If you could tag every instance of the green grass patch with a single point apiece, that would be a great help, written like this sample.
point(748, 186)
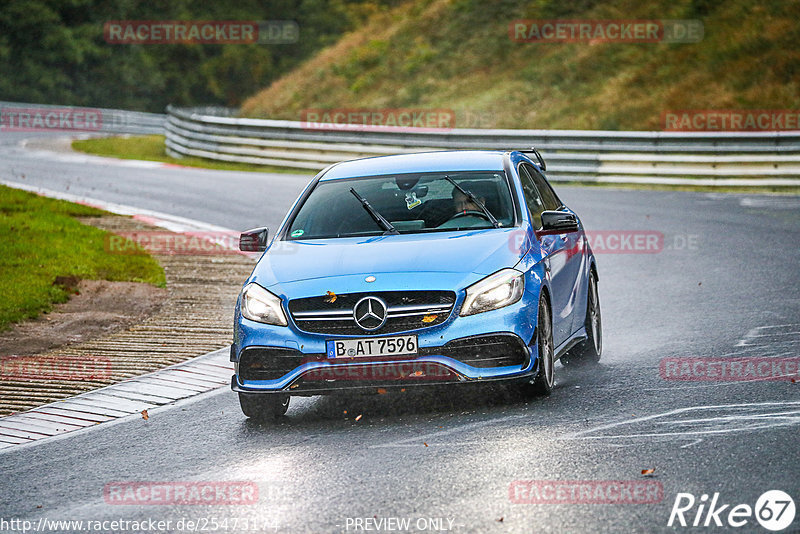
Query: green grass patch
point(151, 148)
point(41, 241)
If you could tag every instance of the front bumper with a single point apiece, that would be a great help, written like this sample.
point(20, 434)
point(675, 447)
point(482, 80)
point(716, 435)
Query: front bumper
point(494, 345)
point(487, 357)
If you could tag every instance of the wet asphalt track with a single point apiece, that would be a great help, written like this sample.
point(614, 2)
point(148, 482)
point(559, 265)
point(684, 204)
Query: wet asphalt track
point(726, 284)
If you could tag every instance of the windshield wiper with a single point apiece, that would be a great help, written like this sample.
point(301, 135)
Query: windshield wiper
point(475, 201)
point(377, 217)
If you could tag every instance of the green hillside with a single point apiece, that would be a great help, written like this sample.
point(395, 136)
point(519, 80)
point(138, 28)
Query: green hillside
point(458, 55)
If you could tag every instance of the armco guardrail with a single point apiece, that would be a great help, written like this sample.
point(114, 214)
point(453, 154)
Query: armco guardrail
point(113, 121)
point(730, 158)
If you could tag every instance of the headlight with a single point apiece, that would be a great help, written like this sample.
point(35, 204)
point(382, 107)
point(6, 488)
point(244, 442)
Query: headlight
point(260, 305)
point(495, 291)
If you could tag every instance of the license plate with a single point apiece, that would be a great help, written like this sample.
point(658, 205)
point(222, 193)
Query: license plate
point(377, 346)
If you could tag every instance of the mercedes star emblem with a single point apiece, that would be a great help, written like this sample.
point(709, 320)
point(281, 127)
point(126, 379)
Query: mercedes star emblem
point(370, 313)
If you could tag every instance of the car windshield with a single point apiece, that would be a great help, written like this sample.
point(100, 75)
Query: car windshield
point(411, 203)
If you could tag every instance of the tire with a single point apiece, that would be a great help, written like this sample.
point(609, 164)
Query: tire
point(589, 350)
point(263, 406)
point(545, 379)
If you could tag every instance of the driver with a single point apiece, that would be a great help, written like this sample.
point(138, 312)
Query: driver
point(466, 212)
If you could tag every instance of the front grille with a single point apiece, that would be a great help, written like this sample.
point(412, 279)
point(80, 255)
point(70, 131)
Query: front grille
point(484, 351)
point(268, 363)
point(406, 310)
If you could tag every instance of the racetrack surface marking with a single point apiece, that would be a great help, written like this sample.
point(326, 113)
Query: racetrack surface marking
point(746, 417)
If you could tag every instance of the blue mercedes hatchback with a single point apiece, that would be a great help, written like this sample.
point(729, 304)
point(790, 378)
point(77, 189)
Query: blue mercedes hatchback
point(416, 270)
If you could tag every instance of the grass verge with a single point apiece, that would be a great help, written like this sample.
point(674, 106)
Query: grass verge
point(151, 148)
point(45, 251)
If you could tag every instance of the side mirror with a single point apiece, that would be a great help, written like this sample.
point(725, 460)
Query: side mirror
point(254, 240)
point(558, 222)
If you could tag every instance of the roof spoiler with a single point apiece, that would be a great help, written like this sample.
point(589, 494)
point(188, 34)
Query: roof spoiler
point(532, 150)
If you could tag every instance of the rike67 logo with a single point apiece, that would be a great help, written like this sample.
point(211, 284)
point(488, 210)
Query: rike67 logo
point(774, 510)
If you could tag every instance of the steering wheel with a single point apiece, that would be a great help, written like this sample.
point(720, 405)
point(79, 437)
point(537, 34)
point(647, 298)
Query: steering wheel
point(469, 213)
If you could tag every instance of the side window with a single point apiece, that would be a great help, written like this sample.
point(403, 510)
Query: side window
point(532, 198)
point(550, 199)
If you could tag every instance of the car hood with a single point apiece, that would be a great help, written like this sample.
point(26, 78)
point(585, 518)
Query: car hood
point(446, 260)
